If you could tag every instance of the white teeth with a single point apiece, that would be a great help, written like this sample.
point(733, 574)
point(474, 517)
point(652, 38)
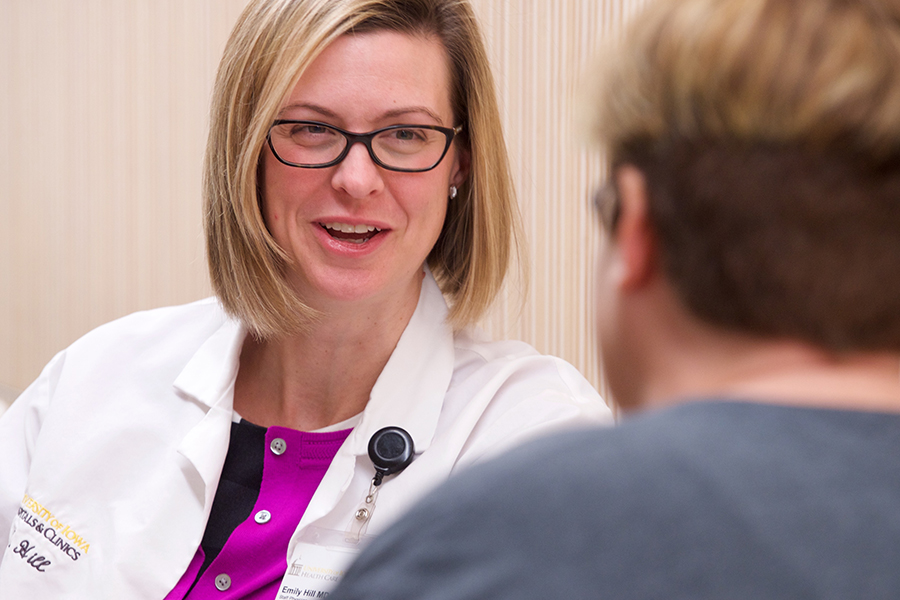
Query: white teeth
point(347, 228)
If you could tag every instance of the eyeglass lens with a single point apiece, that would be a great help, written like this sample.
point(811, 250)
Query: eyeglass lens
point(606, 203)
point(310, 144)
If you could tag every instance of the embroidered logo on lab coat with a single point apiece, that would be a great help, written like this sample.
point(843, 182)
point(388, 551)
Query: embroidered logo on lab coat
point(45, 524)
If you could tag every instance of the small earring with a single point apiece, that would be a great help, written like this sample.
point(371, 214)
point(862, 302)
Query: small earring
point(452, 192)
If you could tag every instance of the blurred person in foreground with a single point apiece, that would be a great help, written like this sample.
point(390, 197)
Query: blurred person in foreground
point(360, 220)
point(748, 301)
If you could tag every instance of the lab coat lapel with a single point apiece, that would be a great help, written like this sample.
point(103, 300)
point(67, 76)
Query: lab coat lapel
point(208, 378)
point(409, 393)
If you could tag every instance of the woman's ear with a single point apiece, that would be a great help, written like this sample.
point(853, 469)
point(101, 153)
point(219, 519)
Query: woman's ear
point(462, 162)
point(635, 236)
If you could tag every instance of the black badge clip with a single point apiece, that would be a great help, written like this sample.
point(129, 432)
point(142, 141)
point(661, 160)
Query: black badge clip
point(391, 450)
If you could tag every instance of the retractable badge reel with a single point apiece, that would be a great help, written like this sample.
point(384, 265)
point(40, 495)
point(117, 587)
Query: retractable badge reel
point(391, 449)
point(322, 555)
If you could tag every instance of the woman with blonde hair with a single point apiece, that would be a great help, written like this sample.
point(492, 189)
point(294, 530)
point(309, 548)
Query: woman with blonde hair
point(360, 218)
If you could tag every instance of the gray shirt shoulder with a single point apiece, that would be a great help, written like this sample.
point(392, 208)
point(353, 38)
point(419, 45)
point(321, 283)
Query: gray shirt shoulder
point(706, 500)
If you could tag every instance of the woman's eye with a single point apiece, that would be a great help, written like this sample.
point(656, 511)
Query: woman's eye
point(310, 130)
point(410, 135)
point(305, 134)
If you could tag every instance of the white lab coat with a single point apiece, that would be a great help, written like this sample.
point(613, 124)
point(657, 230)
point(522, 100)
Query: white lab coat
point(109, 461)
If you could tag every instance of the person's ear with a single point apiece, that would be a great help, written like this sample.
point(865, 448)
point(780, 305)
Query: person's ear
point(462, 163)
point(635, 237)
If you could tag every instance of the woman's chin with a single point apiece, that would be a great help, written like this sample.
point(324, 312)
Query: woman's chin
point(357, 292)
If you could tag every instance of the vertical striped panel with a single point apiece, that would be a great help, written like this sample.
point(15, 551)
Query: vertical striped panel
point(103, 114)
point(540, 51)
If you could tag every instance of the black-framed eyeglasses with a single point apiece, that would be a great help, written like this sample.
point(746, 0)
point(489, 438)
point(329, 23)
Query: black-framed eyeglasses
point(606, 203)
point(315, 145)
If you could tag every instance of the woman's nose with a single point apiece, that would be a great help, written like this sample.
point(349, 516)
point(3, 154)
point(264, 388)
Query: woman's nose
point(357, 174)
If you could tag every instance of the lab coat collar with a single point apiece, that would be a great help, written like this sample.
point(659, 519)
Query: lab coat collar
point(208, 378)
point(209, 375)
point(410, 391)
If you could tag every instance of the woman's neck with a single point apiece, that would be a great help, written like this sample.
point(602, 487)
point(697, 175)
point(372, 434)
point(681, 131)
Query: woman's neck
point(323, 376)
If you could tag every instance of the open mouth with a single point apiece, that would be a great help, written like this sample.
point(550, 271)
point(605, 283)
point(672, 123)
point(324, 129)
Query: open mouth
point(355, 234)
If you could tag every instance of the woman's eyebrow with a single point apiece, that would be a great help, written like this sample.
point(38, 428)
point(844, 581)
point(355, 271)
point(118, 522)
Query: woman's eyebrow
point(396, 112)
point(313, 107)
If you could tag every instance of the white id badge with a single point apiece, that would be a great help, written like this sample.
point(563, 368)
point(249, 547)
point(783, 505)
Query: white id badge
point(321, 558)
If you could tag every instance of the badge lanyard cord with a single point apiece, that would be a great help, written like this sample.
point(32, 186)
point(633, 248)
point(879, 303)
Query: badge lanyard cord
point(391, 450)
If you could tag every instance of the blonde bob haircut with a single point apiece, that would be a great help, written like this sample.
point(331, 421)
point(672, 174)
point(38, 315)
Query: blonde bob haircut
point(269, 48)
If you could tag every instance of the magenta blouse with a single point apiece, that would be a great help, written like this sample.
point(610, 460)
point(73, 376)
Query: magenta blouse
point(244, 549)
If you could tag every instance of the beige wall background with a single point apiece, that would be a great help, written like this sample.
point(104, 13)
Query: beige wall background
point(103, 117)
